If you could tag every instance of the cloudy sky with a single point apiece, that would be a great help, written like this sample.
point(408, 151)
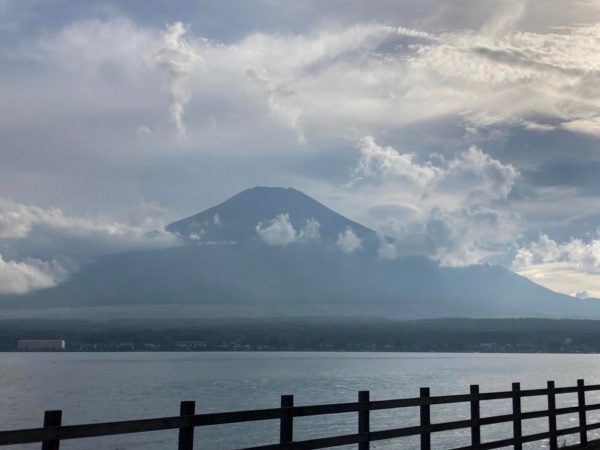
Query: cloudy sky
point(467, 130)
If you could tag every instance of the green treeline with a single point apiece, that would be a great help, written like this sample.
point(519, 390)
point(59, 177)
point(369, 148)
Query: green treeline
point(442, 335)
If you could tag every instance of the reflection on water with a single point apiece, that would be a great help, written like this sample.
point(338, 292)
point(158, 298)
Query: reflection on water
point(92, 387)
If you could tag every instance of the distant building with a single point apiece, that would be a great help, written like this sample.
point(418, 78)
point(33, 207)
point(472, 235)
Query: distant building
point(191, 345)
point(125, 346)
point(40, 344)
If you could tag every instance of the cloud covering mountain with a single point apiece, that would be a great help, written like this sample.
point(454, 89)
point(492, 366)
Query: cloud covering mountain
point(465, 130)
point(57, 244)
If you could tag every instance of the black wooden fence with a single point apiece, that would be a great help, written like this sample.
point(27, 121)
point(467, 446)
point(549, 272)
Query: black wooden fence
point(53, 432)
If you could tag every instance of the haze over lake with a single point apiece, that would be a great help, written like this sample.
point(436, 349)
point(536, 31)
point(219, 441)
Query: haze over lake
point(97, 387)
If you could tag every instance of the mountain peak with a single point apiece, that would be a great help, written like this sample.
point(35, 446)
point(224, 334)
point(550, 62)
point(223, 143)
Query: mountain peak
point(270, 188)
point(267, 193)
point(236, 219)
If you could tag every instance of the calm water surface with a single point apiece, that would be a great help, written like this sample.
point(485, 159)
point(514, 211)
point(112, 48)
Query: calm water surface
point(92, 387)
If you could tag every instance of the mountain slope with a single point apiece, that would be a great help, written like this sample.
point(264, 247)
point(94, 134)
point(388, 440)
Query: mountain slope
point(225, 268)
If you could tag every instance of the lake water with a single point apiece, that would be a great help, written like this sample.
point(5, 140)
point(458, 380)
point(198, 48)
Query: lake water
point(92, 387)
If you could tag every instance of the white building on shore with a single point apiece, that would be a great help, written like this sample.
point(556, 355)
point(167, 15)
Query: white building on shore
point(41, 344)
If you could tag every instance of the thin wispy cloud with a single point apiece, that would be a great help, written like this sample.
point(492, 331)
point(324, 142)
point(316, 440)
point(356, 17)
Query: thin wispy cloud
point(179, 60)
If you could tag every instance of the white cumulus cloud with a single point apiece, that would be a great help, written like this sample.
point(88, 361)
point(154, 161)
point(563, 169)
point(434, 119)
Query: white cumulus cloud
point(384, 163)
point(449, 208)
point(571, 267)
point(581, 255)
point(470, 173)
point(348, 241)
point(387, 250)
point(21, 277)
point(280, 231)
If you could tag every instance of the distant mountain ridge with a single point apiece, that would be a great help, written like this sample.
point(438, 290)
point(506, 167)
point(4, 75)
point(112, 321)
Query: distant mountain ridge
point(226, 269)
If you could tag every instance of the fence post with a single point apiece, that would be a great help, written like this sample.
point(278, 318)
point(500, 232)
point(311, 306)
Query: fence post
point(425, 419)
point(475, 428)
point(552, 416)
point(363, 419)
point(516, 404)
point(52, 419)
point(186, 434)
point(286, 426)
point(582, 413)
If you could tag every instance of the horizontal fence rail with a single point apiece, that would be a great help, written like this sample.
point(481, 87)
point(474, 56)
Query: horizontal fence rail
point(53, 432)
